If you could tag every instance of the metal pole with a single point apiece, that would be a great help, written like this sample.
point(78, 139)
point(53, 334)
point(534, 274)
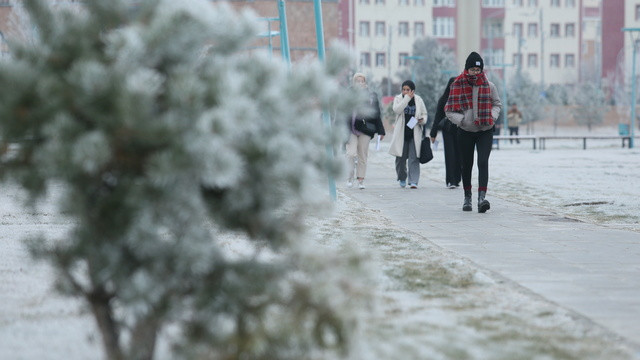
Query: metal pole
point(541, 54)
point(284, 35)
point(504, 101)
point(632, 122)
point(633, 96)
point(317, 7)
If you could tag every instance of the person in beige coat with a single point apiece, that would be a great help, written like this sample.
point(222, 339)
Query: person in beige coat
point(406, 139)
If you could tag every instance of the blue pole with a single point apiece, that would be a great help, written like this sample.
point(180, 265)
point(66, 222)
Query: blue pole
point(317, 8)
point(284, 35)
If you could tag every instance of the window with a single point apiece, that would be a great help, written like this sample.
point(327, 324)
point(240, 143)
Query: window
point(555, 3)
point(403, 28)
point(381, 59)
point(379, 2)
point(418, 29)
point(448, 3)
point(418, 2)
point(533, 3)
point(570, 3)
point(532, 60)
point(569, 30)
point(518, 3)
point(493, 3)
point(444, 27)
point(637, 12)
point(403, 2)
point(364, 2)
point(492, 28)
point(365, 59)
point(495, 56)
point(532, 30)
point(381, 28)
point(364, 28)
point(554, 60)
point(402, 59)
point(517, 60)
point(569, 60)
point(517, 30)
point(555, 30)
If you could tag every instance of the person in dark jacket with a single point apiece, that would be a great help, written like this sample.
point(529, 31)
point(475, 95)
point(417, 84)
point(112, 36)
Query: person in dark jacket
point(450, 140)
point(357, 147)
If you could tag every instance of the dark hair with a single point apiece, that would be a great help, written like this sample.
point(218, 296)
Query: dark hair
point(410, 84)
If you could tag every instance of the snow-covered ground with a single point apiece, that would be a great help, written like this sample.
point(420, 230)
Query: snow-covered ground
point(460, 312)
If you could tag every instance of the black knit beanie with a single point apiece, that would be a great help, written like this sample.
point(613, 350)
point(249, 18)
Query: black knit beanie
point(410, 84)
point(474, 59)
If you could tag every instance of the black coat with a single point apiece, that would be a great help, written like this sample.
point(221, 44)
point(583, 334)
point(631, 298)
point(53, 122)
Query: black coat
point(440, 122)
point(374, 116)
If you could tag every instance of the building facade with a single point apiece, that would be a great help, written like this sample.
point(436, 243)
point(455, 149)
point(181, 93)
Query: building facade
point(552, 41)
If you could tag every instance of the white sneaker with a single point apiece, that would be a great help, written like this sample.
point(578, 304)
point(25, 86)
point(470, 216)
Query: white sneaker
point(361, 184)
point(413, 186)
point(349, 183)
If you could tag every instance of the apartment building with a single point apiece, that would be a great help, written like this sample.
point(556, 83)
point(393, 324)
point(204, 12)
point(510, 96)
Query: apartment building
point(383, 32)
point(553, 41)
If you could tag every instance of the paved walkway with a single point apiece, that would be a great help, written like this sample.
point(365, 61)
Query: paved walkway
point(592, 270)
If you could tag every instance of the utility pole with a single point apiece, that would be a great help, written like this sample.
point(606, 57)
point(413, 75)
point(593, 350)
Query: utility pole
point(389, 64)
point(541, 55)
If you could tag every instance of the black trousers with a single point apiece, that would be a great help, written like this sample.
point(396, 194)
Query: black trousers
point(481, 142)
point(452, 157)
point(513, 130)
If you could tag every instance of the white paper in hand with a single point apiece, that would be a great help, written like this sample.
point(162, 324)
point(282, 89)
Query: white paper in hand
point(412, 122)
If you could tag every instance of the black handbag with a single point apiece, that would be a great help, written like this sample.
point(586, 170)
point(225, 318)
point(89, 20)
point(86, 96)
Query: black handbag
point(366, 127)
point(426, 154)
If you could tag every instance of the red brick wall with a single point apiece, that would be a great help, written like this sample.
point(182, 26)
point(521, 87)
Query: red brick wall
point(300, 20)
point(300, 24)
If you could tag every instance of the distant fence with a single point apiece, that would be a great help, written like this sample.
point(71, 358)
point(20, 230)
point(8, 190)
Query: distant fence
point(542, 139)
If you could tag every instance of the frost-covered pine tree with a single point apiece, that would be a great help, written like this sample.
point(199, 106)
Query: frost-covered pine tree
point(431, 72)
point(174, 144)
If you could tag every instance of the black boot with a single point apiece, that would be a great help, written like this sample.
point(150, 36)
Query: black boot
point(483, 205)
point(467, 201)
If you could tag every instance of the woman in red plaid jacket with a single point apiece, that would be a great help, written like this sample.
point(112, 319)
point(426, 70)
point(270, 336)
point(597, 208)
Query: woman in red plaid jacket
point(474, 105)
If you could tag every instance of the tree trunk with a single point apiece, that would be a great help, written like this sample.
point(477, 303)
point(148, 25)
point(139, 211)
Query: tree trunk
point(143, 338)
point(99, 301)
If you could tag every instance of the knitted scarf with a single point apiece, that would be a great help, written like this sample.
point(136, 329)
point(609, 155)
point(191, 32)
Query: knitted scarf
point(460, 97)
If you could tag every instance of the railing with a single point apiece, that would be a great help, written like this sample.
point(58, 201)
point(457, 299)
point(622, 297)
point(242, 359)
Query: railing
point(623, 138)
point(542, 139)
point(497, 139)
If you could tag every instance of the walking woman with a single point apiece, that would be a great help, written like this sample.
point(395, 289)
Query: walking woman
point(357, 147)
point(474, 106)
point(450, 140)
point(411, 116)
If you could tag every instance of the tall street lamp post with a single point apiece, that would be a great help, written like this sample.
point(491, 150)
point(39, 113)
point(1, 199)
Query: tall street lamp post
point(633, 85)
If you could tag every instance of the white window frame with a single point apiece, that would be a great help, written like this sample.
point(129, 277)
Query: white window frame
point(381, 59)
point(554, 60)
point(567, 63)
point(444, 27)
point(380, 28)
point(418, 25)
point(403, 29)
point(365, 59)
point(364, 29)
